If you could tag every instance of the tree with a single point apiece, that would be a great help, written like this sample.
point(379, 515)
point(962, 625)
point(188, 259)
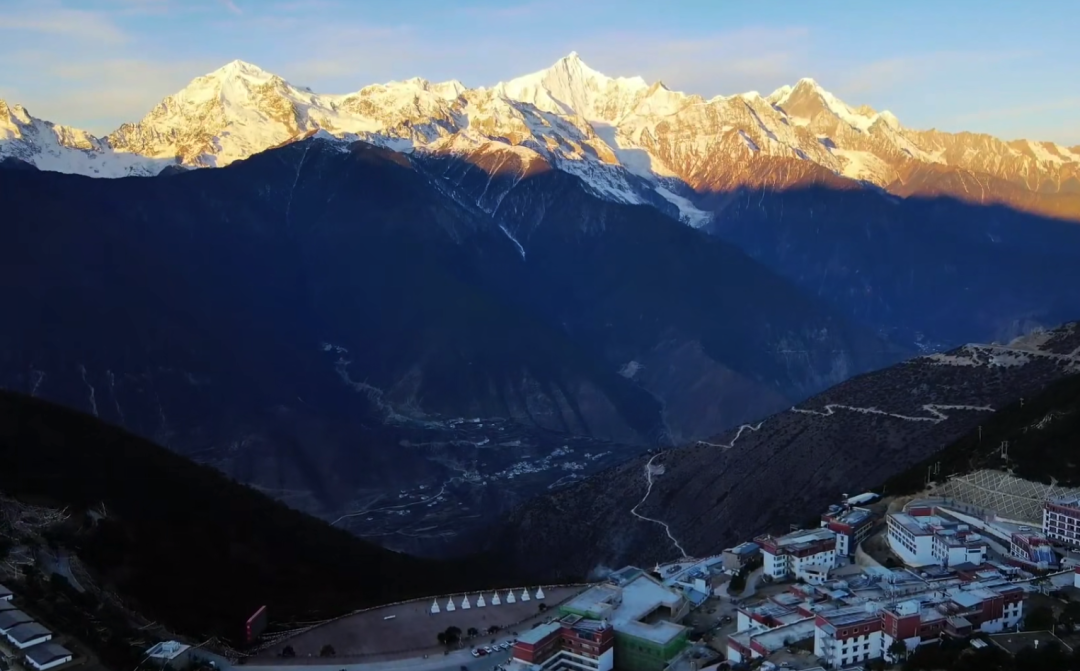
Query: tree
point(1040, 618)
point(327, 651)
point(288, 651)
point(897, 650)
point(473, 632)
point(1070, 617)
point(449, 636)
point(542, 606)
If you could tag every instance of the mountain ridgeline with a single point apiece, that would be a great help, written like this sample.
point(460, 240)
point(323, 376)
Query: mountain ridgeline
point(291, 317)
point(770, 474)
point(873, 217)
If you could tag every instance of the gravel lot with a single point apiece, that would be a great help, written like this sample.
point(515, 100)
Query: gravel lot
point(411, 629)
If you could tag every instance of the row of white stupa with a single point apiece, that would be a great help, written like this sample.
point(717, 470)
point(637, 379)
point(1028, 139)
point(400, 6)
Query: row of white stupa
point(480, 603)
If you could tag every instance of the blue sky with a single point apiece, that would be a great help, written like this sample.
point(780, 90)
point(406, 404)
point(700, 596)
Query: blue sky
point(1007, 68)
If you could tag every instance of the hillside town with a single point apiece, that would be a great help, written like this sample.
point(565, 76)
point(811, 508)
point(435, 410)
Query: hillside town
point(816, 599)
point(869, 587)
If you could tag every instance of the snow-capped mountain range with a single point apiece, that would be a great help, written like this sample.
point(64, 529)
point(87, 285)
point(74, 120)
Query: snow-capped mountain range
point(631, 141)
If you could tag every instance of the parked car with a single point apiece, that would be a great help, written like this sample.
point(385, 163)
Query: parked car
point(487, 649)
point(476, 653)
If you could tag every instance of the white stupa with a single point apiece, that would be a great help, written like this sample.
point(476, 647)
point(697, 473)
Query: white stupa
point(465, 603)
point(480, 601)
point(435, 606)
point(510, 597)
point(450, 604)
point(539, 592)
point(495, 598)
point(524, 595)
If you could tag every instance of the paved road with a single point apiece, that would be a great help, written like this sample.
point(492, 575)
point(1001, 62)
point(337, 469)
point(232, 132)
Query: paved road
point(452, 662)
point(751, 583)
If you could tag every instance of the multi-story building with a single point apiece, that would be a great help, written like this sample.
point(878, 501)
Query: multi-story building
point(850, 524)
point(808, 554)
point(865, 631)
point(571, 644)
point(848, 635)
point(740, 555)
point(1061, 520)
point(644, 614)
point(923, 536)
point(1032, 549)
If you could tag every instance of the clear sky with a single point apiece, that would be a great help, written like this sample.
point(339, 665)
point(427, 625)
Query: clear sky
point(1008, 67)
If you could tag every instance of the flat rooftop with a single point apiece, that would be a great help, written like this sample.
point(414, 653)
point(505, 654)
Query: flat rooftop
point(4, 592)
point(1014, 642)
point(749, 547)
point(781, 637)
point(853, 516)
point(844, 617)
point(910, 524)
point(625, 607)
point(537, 634)
point(804, 536)
point(1067, 501)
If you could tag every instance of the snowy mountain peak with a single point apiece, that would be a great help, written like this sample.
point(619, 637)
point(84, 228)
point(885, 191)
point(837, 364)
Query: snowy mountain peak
point(570, 87)
point(447, 90)
point(238, 68)
point(13, 113)
point(630, 140)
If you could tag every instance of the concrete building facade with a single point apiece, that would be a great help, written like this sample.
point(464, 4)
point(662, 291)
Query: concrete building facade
point(572, 643)
point(806, 554)
point(924, 536)
point(1061, 520)
point(851, 525)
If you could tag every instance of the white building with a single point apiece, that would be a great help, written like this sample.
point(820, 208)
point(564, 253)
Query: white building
point(47, 656)
point(921, 536)
point(851, 525)
point(856, 633)
point(848, 635)
point(28, 635)
point(169, 652)
point(1061, 520)
point(807, 554)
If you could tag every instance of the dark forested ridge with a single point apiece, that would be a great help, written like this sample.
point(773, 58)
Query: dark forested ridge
point(1043, 435)
point(189, 547)
point(766, 475)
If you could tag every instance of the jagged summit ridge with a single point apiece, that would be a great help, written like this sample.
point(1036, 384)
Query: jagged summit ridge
point(611, 131)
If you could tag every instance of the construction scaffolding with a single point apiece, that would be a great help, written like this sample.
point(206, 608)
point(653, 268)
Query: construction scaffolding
point(1008, 496)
